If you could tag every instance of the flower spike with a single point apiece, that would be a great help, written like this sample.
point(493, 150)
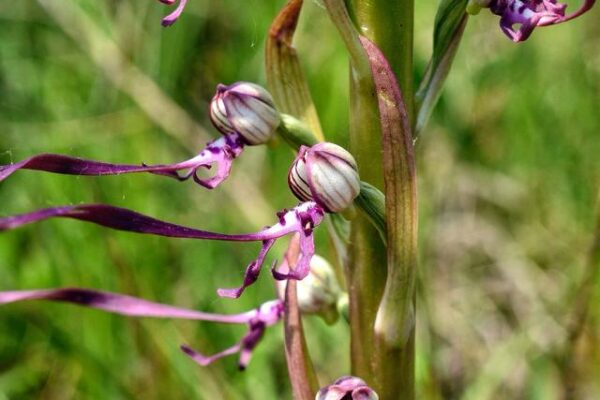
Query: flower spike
point(257, 320)
point(301, 219)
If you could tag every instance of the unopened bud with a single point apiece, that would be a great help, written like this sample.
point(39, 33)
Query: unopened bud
point(319, 292)
point(347, 387)
point(247, 109)
point(327, 174)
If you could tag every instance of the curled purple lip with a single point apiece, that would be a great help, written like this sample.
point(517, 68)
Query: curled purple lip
point(220, 152)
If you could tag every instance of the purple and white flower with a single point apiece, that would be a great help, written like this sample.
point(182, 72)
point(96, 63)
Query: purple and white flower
point(347, 388)
point(243, 112)
point(518, 18)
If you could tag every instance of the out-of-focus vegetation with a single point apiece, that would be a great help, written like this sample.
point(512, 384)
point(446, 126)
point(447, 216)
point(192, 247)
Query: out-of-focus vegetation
point(509, 169)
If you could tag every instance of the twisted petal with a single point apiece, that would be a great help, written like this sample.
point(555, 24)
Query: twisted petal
point(171, 18)
point(220, 152)
point(257, 320)
point(120, 304)
point(302, 219)
point(267, 315)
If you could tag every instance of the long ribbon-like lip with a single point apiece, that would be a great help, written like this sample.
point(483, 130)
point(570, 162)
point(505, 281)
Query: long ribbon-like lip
point(221, 152)
point(257, 320)
point(302, 219)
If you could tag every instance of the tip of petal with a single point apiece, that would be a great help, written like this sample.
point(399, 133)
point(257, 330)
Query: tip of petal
point(230, 293)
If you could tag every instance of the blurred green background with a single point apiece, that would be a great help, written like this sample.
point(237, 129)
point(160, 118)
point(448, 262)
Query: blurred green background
point(508, 168)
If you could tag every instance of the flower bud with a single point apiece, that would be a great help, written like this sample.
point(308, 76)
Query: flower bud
point(327, 174)
point(318, 293)
point(347, 387)
point(247, 109)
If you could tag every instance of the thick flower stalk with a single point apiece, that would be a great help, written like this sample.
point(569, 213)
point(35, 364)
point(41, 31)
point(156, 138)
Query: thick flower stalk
point(518, 18)
point(172, 18)
point(243, 112)
point(347, 388)
point(301, 219)
point(257, 320)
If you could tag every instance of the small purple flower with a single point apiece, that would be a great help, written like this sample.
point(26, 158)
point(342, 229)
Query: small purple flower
point(171, 18)
point(243, 112)
point(347, 388)
point(301, 219)
point(326, 174)
point(518, 18)
point(257, 320)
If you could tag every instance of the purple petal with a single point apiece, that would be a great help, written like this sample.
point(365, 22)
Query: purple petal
point(302, 266)
point(171, 18)
point(251, 274)
point(220, 152)
point(206, 360)
point(266, 315)
point(130, 221)
point(120, 304)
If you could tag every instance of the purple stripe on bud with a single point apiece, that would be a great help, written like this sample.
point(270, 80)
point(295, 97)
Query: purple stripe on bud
point(257, 320)
point(245, 108)
point(221, 152)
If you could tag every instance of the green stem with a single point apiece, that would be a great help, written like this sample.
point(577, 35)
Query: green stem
point(389, 368)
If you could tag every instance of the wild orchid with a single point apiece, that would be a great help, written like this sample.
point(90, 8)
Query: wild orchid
point(372, 224)
point(243, 112)
point(519, 18)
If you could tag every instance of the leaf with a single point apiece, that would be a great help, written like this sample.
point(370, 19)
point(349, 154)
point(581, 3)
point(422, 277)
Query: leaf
point(395, 317)
point(284, 74)
point(450, 22)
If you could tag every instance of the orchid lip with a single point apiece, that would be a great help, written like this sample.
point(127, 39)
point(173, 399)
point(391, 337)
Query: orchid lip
point(220, 152)
point(257, 320)
point(301, 219)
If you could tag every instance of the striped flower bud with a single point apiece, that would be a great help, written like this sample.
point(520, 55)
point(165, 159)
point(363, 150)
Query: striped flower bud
point(247, 109)
point(326, 174)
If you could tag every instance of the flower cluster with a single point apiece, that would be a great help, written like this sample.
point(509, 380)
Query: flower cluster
point(518, 18)
point(324, 177)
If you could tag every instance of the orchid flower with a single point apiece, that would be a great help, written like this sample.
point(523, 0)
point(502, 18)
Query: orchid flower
point(347, 388)
point(301, 219)
point(172, 18)
point(243, 112)
point(518, 18)
point(257, 320)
